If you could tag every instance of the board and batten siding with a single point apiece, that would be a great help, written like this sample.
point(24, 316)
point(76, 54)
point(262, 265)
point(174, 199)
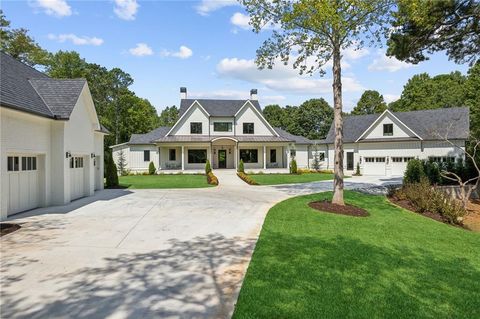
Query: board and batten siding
point(194, 114)
point(248, 115)
point(134, 159)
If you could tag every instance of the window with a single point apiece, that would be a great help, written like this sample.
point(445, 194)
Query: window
point(387, 129)
point(146, 156)
point(397, 159)
point(249, 156)
point(369, 159)
point(442, 159)
point(172, 154)
point(406, 159)
point(72, 165)
point(293, 153)
point(78, 162)
point(273, 156)
point(380, 159)
point(13, 163)
point(197, 156)
point(24, 163)
point(222, 126)
point(29, 163)
point(248, 128)
point(321, 156)
point(196, 128)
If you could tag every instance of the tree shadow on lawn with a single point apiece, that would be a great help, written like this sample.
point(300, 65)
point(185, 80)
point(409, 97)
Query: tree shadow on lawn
point(311, 277)
point(199, 278)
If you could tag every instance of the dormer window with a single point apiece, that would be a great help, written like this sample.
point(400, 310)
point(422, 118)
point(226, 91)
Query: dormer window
point(196, 128)
point(222, 126)
point(387, 129)
point(248, 128)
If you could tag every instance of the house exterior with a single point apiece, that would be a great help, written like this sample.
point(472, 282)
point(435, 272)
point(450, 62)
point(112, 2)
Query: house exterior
point(222, 131)
point(382, 144)
point(51, 140)
point(225, 131)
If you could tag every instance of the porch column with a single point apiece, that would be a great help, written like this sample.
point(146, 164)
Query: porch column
point(264, 157)
point(209, 154)
point(159, 158)
point(288, 157)
point(183, 158)
point(235, 153)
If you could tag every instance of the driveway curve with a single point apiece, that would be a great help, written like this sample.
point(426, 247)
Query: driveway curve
point(141, 253)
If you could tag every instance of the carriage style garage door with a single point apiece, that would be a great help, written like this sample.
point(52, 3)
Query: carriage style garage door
point(23, 183)
point(374, 166)
point(77, 177)
point(399, 165)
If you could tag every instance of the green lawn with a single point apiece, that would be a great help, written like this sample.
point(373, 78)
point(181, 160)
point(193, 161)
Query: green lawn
point(164, 181)
point(392, 264)
point(276, 179)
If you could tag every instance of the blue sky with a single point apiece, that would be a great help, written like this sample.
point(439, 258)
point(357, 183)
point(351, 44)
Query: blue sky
point(205, 45)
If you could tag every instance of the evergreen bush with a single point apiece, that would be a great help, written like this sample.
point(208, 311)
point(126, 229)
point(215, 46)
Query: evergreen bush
point(151, 168)
point(293, 167)
point(241, 168)
point(208, 167)
point(111, 172)
point(414, 172)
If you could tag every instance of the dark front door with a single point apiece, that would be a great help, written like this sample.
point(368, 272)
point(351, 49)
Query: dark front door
point(349, 161)
point(222, 159)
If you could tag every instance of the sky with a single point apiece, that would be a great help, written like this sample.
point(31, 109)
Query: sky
point(206, 46)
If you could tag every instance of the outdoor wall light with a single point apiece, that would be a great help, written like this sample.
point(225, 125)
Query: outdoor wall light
point(68, 154)
point(92, 155)
point(360, 160)
point(229, 151)
point(214, 151)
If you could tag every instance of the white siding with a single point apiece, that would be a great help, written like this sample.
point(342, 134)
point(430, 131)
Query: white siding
point(399, 129)
point(134, 158)
point(194, 114)
point(249, 115)
point(302, 156)
point(222, 119)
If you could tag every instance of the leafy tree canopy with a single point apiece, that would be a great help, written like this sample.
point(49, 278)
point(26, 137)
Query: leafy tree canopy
point(370, 102)
point(169, 116)
point(472, 94)
point(424, 27)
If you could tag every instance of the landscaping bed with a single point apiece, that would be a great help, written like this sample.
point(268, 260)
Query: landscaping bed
point(329, 207)
point(393, 264)
point(7, 228)
point(163, 181)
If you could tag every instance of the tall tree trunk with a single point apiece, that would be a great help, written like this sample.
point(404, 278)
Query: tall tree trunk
point(338, 123)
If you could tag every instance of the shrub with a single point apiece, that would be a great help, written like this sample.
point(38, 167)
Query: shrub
point(208, 167)
point(357, 172)
point(432, 171)
point(293, 167)
point(414, 172)
point(316, 162)
point(211, 178)
point(151, 168)
point(247, 179)
point(111, 173)
point(241, 168)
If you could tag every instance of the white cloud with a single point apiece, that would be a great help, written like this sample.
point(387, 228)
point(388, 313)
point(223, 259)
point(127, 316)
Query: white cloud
point(351, 53)
point(58, 8)
point(183, 52)
point(207, 6)
point(271, 99)
point(83, 40)
point(142, 49)
point(241, 20)
point(390, 97)
point(385, 63)
point(281, 78)
point(126, 9)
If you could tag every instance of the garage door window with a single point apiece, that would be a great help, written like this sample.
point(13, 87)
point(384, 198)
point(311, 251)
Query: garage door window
point(369, 159)
point(76, 162)
point(29, 163)
point(380, 159)
point(406, 159)
point(397, 159)
point(13, 163)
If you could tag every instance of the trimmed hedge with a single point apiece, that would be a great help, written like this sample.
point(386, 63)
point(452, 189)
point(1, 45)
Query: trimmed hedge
point(241, 168)
point(151, 169)
point(293, 167)
point(246, 178)
point(111, 172)
point(208, 167)
point(211, 178)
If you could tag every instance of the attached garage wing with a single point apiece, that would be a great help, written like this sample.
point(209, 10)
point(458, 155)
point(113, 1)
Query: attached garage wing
point(23, 183)
point(374, 166)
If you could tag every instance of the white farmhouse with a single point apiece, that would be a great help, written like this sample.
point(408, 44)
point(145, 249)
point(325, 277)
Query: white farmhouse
point(51, 140)
point(227, 131)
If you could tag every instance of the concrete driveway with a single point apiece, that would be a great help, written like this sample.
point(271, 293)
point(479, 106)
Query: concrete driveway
point(140, 253)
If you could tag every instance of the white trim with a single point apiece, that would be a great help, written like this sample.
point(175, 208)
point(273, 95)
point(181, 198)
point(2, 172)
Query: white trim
point(185, 113)
point(224, 138)
point(382, 116)
point(260, 114)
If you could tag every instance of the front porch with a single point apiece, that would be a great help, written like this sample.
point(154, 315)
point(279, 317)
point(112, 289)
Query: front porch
point(223, 153)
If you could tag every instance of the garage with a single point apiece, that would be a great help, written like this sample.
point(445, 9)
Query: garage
point(77, 177)
point(399, 165)
point(374, 166)
point(23, 183)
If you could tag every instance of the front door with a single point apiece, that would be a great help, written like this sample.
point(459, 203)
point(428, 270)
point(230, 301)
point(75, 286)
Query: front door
point(222, 159)
point(349, 161)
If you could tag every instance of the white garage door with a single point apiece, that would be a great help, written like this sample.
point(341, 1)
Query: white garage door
point(399, 165)
point(23, 183)
point(77, 178)
point(374, 166)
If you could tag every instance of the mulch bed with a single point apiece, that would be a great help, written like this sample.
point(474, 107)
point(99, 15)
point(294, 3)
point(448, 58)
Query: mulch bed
point(405, 203)
point(349, 210)
point(6, 228)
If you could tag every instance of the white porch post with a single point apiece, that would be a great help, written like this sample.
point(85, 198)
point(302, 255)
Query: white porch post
point(264, 157)
point(209, 153)
point(183, 158)
point(235, 153)
point(288, 157)
point(159, 158)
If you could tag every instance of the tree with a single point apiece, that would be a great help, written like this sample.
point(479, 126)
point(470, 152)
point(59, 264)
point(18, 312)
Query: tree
point(18, 44)
point(472, 96)
point(424, 27)
point(316, 31)
point(370, 102)
point(424, 92)
point(111, 171)
point(274, 114)
point(169, 116)
point(122, 162)
point(315, 118)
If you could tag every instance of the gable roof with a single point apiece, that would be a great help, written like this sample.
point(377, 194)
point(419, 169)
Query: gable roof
point(149, 137)
point(426, 123)
point(25, 89)
point(216, 107)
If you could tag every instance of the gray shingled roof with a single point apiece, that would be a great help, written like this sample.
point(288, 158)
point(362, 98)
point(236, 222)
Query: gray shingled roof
point(296, 138)
point(149, 137)
point(26, 89)
point(206, 138)
point(426, 123)
point(216, 107)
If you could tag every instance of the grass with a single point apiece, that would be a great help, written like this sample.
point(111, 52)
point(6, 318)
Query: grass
point(392, 264)
point(164, 181)
point(276, 179)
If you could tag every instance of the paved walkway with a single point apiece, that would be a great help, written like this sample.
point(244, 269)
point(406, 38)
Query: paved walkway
point(140, 253)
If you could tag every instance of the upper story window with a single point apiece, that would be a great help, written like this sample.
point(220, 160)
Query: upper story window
point(248, 128)
point(387, 129)
point(222, 126)
point(146, 156)
point(196, 128)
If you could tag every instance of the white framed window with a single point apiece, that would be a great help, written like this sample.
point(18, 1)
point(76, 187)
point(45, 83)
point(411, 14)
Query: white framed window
point(397, 159)
point(13, 163)
point(379, 159)
point(369, 159)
